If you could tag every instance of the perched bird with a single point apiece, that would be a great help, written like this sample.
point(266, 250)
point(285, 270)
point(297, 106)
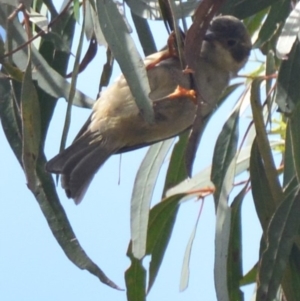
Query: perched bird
point(116, 125)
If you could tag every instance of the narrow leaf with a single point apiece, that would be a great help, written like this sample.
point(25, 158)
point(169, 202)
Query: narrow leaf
point(263, 142)
point(176, 170)
point(45, 193)
point(47, 78)
point(135, 277)
point(222, 236)
point(288, 88)
point(185, 270)
point(161, 222)
point(250, 277)
point(277, 14)
point(31, 127)
point(121, 44)
point(264, 203)
point(144, 33)
point(224, 152)
point(150, 9)
point(234, 261)
point(142, 194)
point(282, 230)
point(289, 33)
point(294, 126)
point(237, 8)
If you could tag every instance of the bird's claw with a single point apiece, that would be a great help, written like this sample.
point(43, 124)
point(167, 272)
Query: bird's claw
point(182, 92)
point(171, 51)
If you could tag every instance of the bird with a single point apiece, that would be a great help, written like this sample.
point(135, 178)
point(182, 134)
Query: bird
point(116, 125)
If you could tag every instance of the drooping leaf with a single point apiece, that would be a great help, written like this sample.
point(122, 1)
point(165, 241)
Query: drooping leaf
point(250, 277)
point(10, 120)
point(144, 34)
point(176, 169)
point(294, 126)
point(31, 127)
point(263, 142)
point(47, 78)
point(121, 44)
point(135, 278)
point(72, 93)
point(150, 9)
point(289, 33)
point(45, 192)
point(185, 270)
point(289, 166)
point(277, 14)
point(288, 88)
point(161, 222)
point(264, 203)
point(142, 194)
point(237, 7)
point(234, 262)
point(291, 279)
point(224, 152)
point(280, 238)
point(92, 26)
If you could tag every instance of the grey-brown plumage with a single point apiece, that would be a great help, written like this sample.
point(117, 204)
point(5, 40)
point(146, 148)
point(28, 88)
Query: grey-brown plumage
point(115, 125)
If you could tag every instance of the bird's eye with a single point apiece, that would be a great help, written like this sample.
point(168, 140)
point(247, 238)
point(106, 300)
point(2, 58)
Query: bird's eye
point(231, 42)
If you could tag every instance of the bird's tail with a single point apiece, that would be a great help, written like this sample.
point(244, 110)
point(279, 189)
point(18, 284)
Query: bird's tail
point(79, 162)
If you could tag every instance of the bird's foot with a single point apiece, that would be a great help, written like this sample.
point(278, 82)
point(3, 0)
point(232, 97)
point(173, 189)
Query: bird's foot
point(171, 51)
point(182, 92)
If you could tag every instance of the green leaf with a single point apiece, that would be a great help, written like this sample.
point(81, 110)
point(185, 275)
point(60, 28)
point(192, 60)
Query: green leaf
point(224, 152)
point(222, 236)
point(149, 9)
point(135, 278)
point(47, 78)
point(72, 93)
point(237, 7)
point(76, 9)
point(161, 222)
point(185, 270)
point(264, 203)
point(289, 32)
point(234, 261)
point(144, 33)
point(294, 126)
point(263, 142)
point(253, 23)
point(277, 15)
point(10, 119)
point(282, 230)
point(31, 127)
point(121, 44)
point(45, 191)
point(92, 27)
point(176, 171)
point(291, 279)
point(250, 277)
point(144, 185)
point(287, 94)
point(289, 166)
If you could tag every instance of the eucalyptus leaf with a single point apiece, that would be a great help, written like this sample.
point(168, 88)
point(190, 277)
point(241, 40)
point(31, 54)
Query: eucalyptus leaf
point(287, 93)
point(142, 194)
point(47, 78)
point(280, 238)
point(150, 9)
point(121, 44)
point(289, 33)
